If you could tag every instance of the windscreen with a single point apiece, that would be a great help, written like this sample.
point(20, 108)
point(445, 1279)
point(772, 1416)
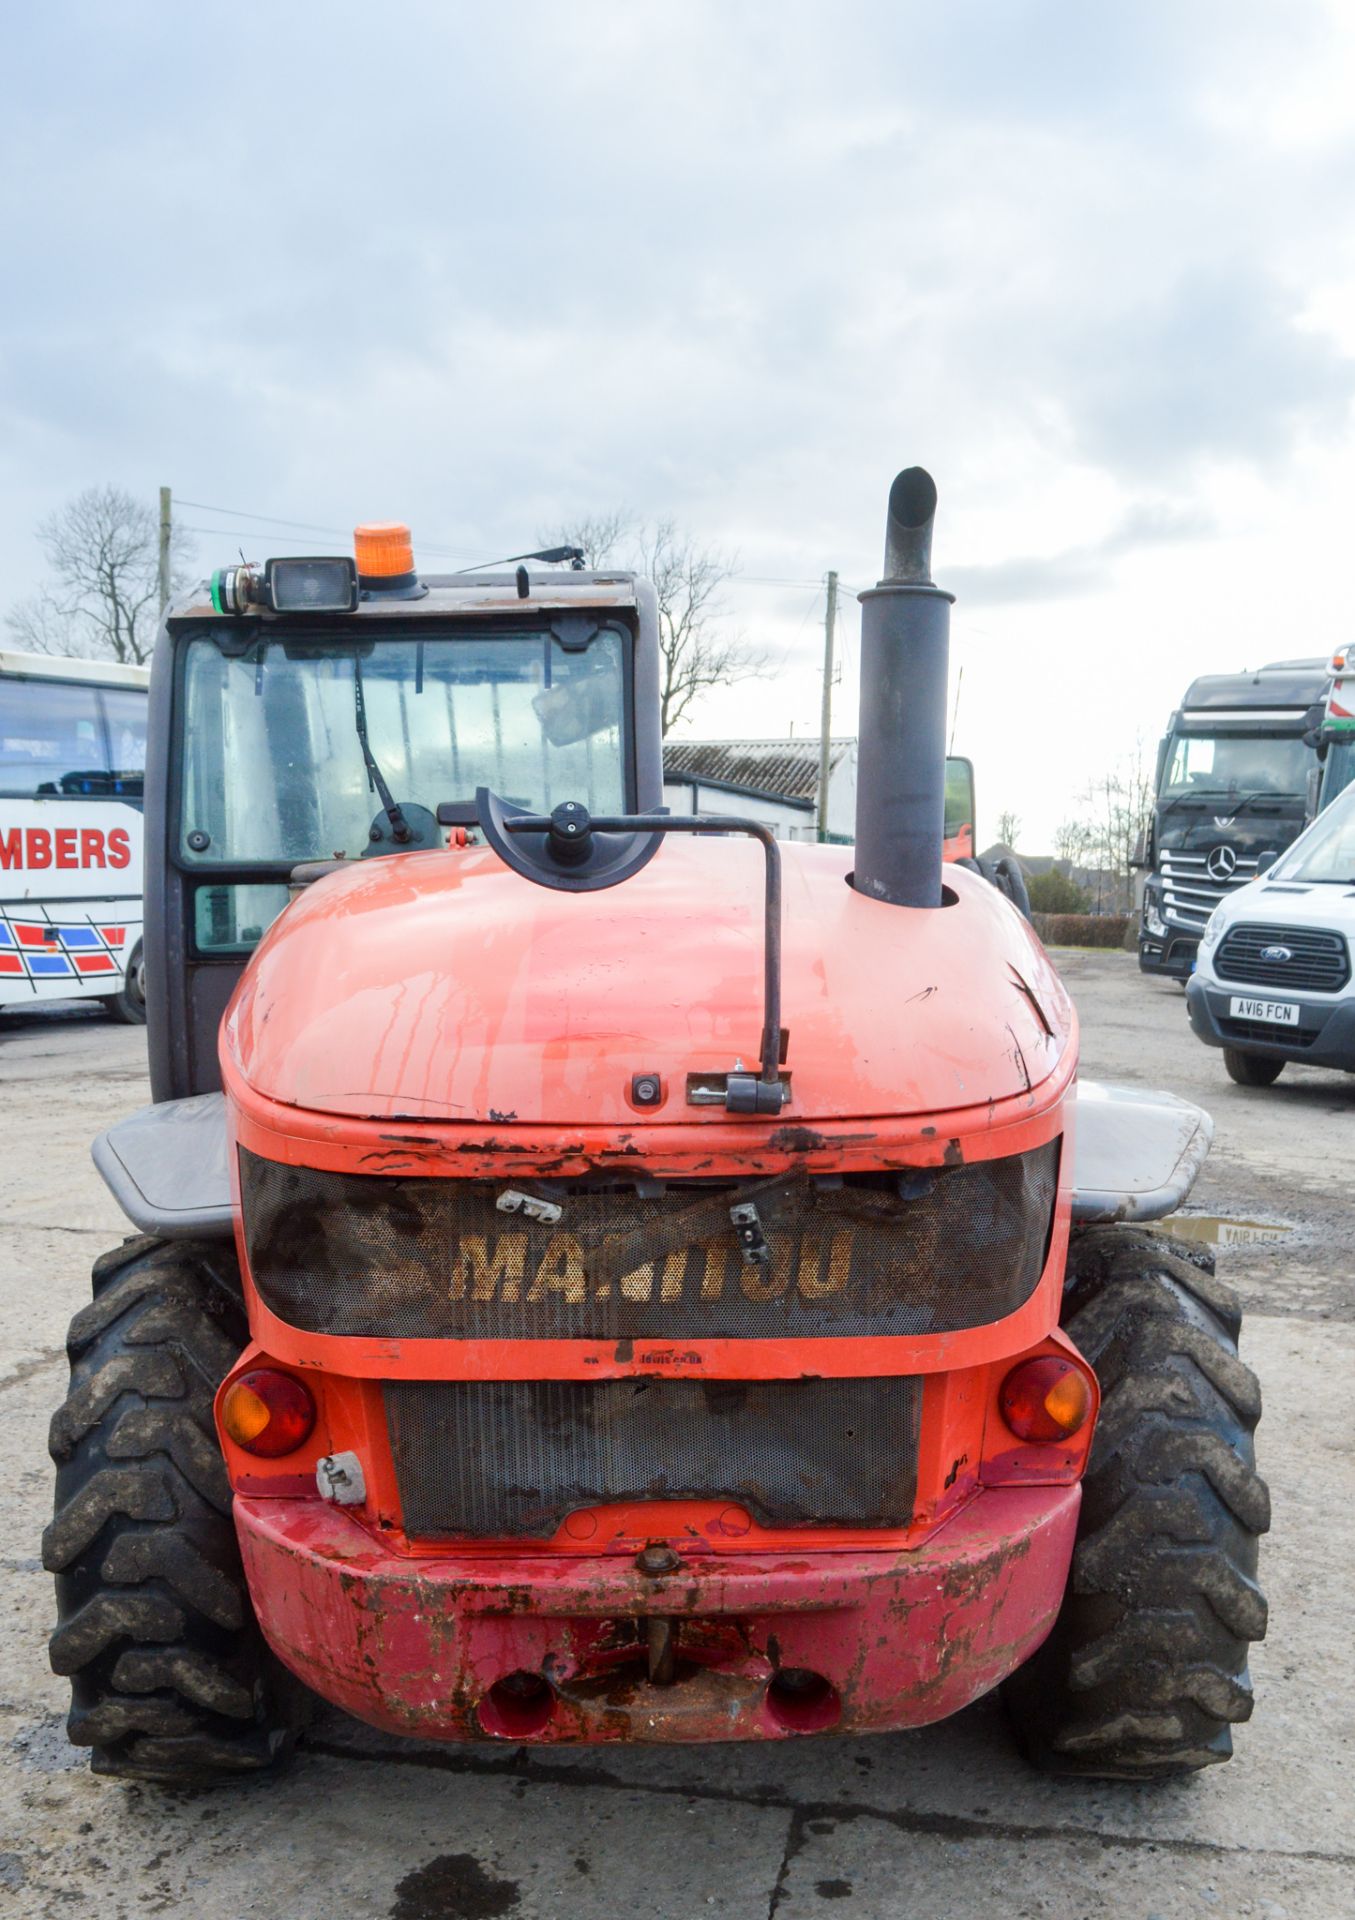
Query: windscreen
point(1233, 766)
point(273, 763)
point(1326, 852)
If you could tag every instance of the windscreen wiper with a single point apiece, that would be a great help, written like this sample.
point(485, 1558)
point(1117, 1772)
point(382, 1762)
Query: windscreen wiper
point(1264, 793)
point(399, 825)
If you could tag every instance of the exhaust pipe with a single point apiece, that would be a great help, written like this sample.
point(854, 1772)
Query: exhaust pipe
point(901, 753)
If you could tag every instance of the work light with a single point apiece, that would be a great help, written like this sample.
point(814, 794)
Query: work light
point(311, 586)
point(322, 585)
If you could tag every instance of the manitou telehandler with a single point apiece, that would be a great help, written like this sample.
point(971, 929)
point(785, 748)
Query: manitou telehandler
point(603, 1275)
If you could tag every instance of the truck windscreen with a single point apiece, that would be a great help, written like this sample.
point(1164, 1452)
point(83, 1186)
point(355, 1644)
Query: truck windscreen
point(1229, 766)
point(273, 766)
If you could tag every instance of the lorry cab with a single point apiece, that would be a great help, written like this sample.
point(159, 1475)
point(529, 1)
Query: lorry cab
point(1246, 762)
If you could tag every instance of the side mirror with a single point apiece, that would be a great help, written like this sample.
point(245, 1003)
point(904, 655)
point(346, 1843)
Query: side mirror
point(1313, 796)
point(959, 798)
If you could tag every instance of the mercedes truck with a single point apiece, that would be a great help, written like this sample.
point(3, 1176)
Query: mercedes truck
point(1248, 759)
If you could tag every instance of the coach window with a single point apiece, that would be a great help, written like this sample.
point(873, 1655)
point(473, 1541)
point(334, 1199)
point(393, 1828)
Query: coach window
point(51, 741)
point(125, 719)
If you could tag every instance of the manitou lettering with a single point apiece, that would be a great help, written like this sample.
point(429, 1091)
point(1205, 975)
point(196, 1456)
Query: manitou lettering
point(533, 1269)
point(479, 1275)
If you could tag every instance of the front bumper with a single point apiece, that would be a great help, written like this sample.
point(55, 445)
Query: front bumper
point(422, 1647)
point(1324, 1037)
point(1172, 953)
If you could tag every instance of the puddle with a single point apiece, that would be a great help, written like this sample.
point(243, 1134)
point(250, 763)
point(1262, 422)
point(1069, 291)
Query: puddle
point(1219, 1230)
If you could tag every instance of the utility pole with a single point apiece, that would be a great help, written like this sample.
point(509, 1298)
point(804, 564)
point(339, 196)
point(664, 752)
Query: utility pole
point(826, 720)
point(165, 525)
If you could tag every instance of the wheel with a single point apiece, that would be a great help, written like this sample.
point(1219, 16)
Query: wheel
point(1007, 877)
point(1252, 1069)
point(1145, 1671)
point(129, 1003)
point(170, 1679)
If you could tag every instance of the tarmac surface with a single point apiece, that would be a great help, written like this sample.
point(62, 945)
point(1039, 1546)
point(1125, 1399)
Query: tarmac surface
point(945, 1821)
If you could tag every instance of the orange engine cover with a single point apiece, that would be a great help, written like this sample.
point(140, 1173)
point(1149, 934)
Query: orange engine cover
point(444, 988)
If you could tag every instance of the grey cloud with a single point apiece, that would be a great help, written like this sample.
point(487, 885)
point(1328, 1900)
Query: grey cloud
point(490, 278)
point(1076, 570)
point(1217, 366)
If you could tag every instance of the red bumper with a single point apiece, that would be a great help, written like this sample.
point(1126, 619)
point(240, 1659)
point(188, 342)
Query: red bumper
point(864, 1640)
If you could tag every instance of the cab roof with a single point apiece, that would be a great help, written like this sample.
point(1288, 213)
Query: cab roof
point(549, 589)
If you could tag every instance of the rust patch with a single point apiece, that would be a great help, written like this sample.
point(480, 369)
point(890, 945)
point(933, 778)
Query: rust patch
point(797, 1140)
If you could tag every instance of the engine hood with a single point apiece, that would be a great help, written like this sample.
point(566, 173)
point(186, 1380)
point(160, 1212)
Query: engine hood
point(1291, 903)
point(445, 987)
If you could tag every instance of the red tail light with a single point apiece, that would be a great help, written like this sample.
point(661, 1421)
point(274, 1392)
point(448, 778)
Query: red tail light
point(268, 1412)
point(1045, 1399)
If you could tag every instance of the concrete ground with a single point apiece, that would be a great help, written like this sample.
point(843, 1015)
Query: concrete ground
point(943, 1822)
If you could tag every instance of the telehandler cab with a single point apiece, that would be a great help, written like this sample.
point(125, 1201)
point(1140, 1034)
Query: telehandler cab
point(603, 1275)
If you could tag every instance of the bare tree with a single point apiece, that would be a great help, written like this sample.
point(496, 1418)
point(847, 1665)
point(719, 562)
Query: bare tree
point(1073, 841)
point(598, 534)
point(1008, 828)
point(699, 651)
point(40, 625)
point(103, 551)
point(1118, 803)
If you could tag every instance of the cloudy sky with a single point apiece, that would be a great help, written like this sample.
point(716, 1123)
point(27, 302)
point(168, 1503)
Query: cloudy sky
point(487, 267)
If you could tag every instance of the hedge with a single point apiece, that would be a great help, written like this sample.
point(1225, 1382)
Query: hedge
point(1082, 929)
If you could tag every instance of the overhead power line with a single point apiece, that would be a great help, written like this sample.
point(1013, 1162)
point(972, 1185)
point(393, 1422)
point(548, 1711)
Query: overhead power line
point(266, 522)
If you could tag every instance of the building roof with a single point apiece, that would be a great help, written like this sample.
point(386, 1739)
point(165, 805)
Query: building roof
point(776, 769)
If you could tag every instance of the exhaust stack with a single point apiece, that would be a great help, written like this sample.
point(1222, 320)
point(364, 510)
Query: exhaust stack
point(901, 754)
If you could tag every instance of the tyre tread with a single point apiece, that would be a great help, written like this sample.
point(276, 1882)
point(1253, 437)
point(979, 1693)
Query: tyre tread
point(170, 1678)
point(1145, 1671)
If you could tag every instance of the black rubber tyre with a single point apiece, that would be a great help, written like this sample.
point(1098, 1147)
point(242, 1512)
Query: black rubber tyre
point(1145, 1671)
point(129, 1004)
point(1007, 876)
point(1252, 1069)
point(170, 1679)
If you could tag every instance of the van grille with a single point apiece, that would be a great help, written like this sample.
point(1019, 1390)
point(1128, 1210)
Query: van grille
point(1317, 962)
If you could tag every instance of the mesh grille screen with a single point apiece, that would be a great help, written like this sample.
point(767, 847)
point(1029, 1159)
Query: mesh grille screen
point(386, 1256)
point(491, 1459)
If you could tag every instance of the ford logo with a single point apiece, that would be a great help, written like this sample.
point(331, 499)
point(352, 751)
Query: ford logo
point(1277, 953)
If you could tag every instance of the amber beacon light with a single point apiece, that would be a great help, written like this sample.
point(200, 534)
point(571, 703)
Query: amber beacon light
point(385, 556)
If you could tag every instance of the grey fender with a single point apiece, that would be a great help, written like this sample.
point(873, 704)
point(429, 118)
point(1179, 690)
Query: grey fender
point(166, 1168)
point(1136, 1154)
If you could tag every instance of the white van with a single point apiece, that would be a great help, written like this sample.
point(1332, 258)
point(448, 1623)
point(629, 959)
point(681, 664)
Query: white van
point(1272, 980)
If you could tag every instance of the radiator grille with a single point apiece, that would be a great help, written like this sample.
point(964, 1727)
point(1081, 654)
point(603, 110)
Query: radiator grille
point(1317, 959)
point(496, 1459)
point(411, 1258)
